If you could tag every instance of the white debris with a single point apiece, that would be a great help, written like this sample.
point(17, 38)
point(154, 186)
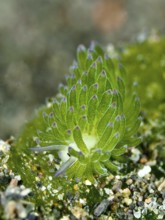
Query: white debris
point(87, 183)
point(25, 192)
point(50, 178)
point(83, 201)
point(4, 147)
point(43, 188)
point(18, 177)
point(108, 191)
point(66, 217)
point(146, 170)
point(51, 157)
point(137, 214)
point(135, 155)
point(55, 191)
point(61, 196)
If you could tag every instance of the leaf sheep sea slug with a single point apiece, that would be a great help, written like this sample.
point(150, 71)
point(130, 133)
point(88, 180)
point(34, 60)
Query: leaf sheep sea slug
point(91, 121)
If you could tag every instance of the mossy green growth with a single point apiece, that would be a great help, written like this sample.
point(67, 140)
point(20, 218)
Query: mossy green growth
point(87, 126)
point(145, 63)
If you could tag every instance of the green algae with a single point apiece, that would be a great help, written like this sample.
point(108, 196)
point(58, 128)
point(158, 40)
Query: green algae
point(145, 64)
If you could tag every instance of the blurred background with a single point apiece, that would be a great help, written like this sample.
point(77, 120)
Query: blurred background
point(38, 41)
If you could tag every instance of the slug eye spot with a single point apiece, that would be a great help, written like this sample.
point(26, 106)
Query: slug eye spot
point(115, 91)
point(77, 128)
point(118, 118)
point(69, 132)
point(108, 152)
point(90, 50)
point(79, 82)
point(51, 115)
point(85, 73)
point(99, 59)
point(64, 100)
point(94, 97)
point(83, 107)
point(44, 115)
point(110, 124)
point(89, 57)
point(109, 91)
point(96, 85)
point(70, 148)
point(94, 65)
point(73, 76)
point(103, 73)
point(117, 134)
point(84, 117)
point(99, 151)
point(80, 154)
point(107, 57)
point(73, 88)
point(54, 125)
point(114, 105)
point(81, 48)
point(119, 78)
point(84, 88)
point(71, 109)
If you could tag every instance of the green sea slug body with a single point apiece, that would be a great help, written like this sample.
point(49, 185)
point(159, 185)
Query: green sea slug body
point(92, 120)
